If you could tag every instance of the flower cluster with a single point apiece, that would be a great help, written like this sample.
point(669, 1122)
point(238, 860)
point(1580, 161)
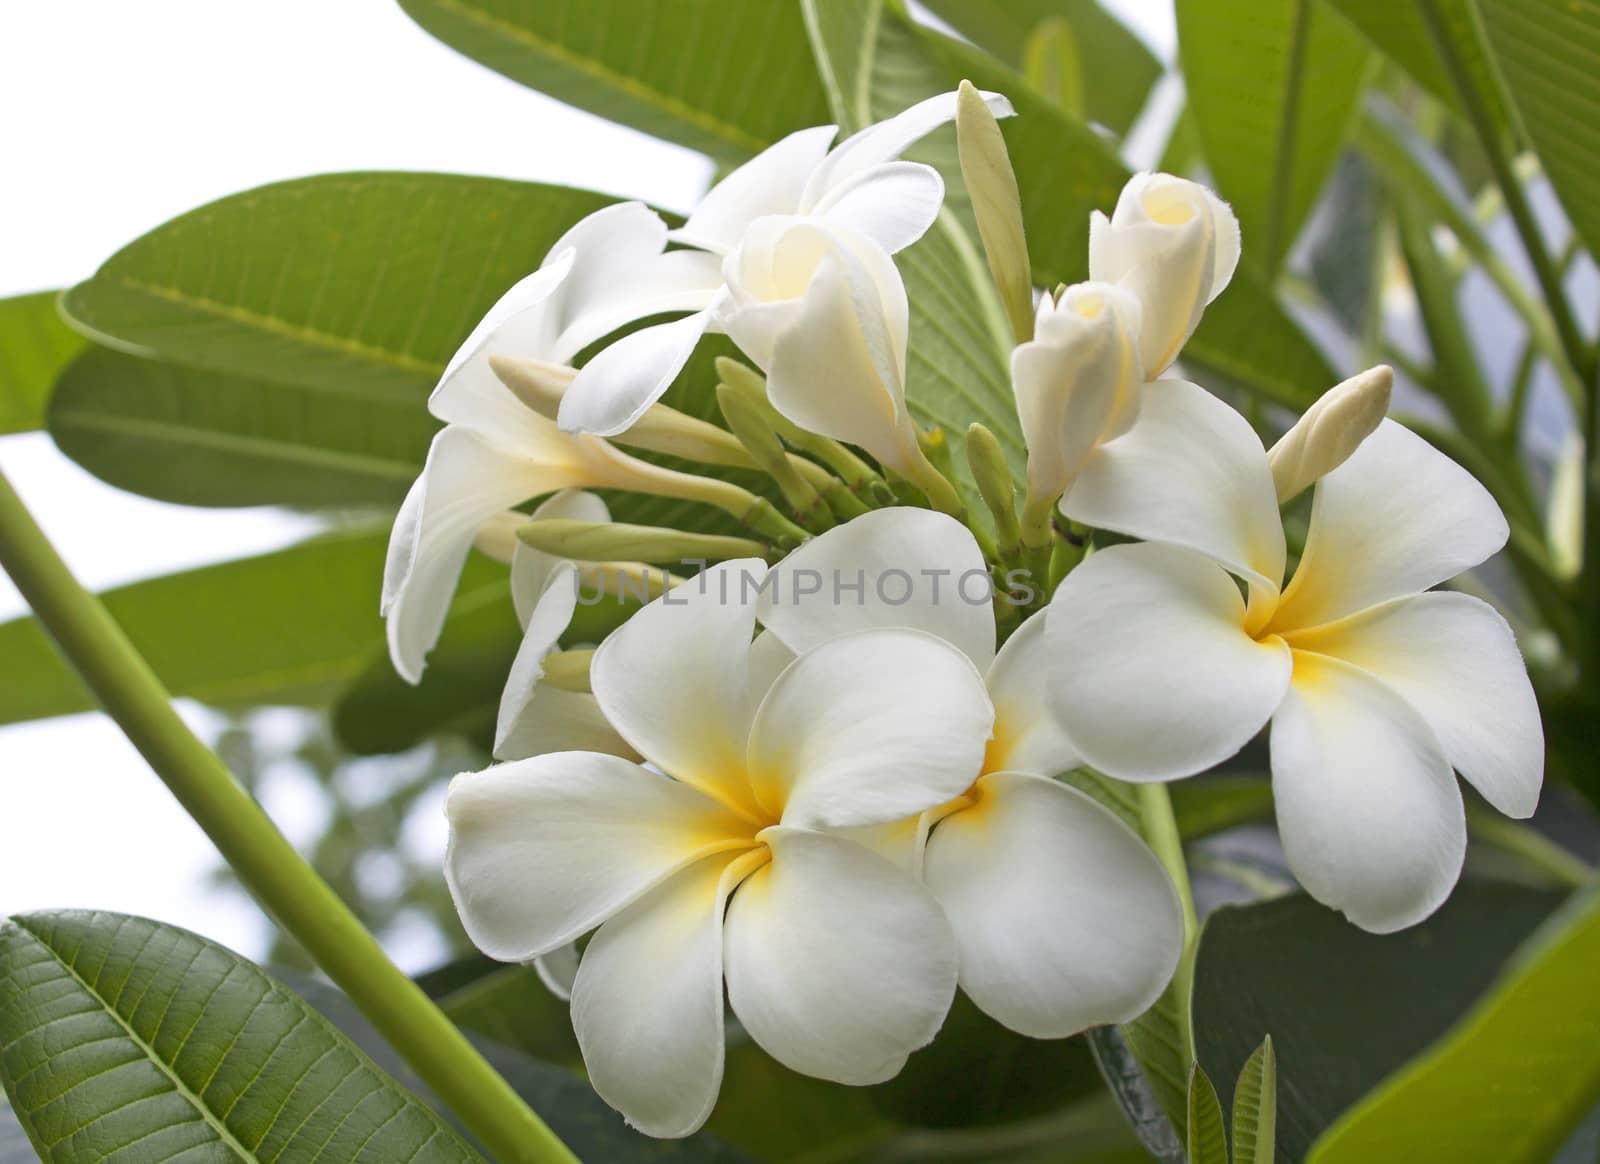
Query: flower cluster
point(840, 799)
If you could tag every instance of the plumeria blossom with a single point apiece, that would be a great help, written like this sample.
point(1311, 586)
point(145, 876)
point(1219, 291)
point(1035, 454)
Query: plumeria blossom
point(1063, 917)
point(1375, 687)
point(494, 452)
point(719, 860)
point(858, 189)
point(1173, 245)
point(1078, 381)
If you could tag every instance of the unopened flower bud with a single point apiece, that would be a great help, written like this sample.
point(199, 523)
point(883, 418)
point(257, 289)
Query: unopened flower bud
point(1173, 244)
point(1331, 429)
point(592, 541)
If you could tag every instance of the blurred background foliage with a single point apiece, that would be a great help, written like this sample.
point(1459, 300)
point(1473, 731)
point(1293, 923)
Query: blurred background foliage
point(1417, 183)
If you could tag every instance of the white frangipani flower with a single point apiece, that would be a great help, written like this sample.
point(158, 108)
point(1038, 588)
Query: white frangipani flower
point(1063, 917)
point(1375, 686)
point(1173, 244)
point(859, 186)
point(822, 310)
point(838, 962)
point(1077, 382)
point(494, 452)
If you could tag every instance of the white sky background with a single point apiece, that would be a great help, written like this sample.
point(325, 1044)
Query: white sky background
point(120, 116)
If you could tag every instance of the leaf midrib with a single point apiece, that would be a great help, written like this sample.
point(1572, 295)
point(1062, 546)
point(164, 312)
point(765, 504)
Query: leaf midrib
point(701, 119)
point(1283, 167)
point(182, 1088)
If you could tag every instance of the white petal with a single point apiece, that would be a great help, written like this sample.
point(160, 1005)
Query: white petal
point(1370, 816)
point(1156, 678)
point(769, 655)
point(558, 970)
point(464, 483)
point(547, 622)
point(531, 568)
point(1192, 473)
point(838, 964)
point(1396, 518)
point(1027, 735)
point(916, 568)
point(521, 322)
point(885, 141)
point(839, 368)
point(615, 388)
point(545, 849)
point(647, 1004)
point(769, 183)
point(620, 274)
point(674, 679)
point(1064, 918)
point(555, 720)
point(893, 204)
point(1453, 659)
point(869, 728)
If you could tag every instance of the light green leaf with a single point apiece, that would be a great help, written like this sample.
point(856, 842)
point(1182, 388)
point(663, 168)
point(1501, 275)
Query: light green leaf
point(1208, 1140)
point(1391, 995)
point(1511, 1079)
point(291, 626)
point(726, 77)
point(355, 286)
point(1396, 28)
point(35, 344)
point(207, 437)
point(125, 1035)
point(1548, 51)
point(1053, 65)
point(1118, 69)
point(1255, 1107)
point(1272, 84)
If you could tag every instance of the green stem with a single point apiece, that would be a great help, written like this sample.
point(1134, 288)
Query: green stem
point(1516, 199)
point(1160, 829)
point(289, 888)
point(1528, 843)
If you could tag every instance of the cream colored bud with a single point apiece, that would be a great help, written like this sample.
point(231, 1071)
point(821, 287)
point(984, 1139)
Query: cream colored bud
point(992, 187)
point(1331, 429)
point(1174, 245)
point(613, 540)
point(1078, 382)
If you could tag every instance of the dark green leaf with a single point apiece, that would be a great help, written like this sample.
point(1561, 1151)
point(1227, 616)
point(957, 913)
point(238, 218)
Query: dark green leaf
point(119, 1034)
point(292, 626)
point(207, 437)
point(1118, 70)
point(1344, 1007)
point(1208, 1140)
point(1255, 1107)
point(1131, 1088)
point(35, 344)
point(1396, 28)
point(1272, 84)
point(1548, 51)
point(1508, 1082)
point(1214, 803)
point(726, 77)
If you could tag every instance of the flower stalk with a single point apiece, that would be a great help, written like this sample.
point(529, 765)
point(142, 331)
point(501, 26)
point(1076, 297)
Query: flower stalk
point(301, 902)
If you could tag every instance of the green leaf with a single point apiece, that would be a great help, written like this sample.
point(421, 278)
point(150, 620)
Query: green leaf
point(510, 1005)
point(1117, 68)
point(207, 437)
point(1272, 84)
point(1208, 1140)
point(1053, 65)
point(1255, 1107)
point(1215, 803)
point(35, 344)
point(357, 286)
point(292, 626)
point(1396, 29)
point(1510, 1080)
point(1345, 1008)
point(1548, 51)
point(726, 77)
point(119, 1034)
